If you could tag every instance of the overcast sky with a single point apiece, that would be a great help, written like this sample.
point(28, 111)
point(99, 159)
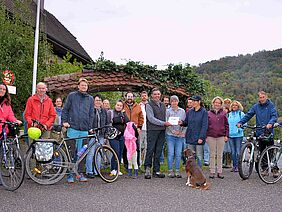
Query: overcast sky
point(159, 32)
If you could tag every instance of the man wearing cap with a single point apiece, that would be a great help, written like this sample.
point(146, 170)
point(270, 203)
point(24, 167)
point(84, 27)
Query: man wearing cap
point(78, 116)
point(197, 124)
point(156, 123)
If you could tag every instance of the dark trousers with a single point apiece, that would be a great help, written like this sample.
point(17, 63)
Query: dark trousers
point(155, 143)
point(117, 144)
point(262, 146)
point(124, 155)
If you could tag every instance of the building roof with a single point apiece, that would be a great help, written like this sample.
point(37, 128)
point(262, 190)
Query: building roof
point(61, 39)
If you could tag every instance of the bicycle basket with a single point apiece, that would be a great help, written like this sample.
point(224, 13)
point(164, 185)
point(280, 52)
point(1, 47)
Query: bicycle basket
point(43, 150)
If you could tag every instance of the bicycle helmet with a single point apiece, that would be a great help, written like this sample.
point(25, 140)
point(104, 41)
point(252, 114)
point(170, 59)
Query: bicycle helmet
point(34, 133)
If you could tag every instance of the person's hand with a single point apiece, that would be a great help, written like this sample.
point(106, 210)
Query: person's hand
point(19, 122)
point(239, 125)
point(45, 127)
point(167, 124)
point(225, 139)
point(200, 141)
point(180, 122)
point(268, 126)
point(66, 125)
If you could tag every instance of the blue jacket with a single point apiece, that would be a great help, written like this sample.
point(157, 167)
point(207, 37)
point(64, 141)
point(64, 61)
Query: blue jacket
point(197, 125)
point(78, 111)
point(265, 114)
point(233, 118)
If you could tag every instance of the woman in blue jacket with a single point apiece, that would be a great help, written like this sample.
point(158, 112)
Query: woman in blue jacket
point(235, 134)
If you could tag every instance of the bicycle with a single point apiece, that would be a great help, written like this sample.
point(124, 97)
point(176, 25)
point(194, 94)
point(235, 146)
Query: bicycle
point(50, 168)
point(270, 163)
point(249, 154)
point(12, 166)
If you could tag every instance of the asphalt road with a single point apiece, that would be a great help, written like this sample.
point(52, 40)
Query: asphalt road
point(229, 194)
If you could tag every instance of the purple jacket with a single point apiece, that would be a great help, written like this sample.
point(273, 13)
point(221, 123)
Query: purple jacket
point(217, 124)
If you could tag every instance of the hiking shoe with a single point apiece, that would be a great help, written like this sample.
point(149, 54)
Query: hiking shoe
point(70, 178)
point(147, 173)
point(81, 178)
point(171, 174)
point(177, 174)
point(158, 175)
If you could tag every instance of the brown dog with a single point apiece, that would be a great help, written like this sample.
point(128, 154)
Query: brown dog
point(195, 176)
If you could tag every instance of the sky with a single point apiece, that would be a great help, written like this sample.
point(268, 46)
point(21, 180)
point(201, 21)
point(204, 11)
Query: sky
point(159, 32)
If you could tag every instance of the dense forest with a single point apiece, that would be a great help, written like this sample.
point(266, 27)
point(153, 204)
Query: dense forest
point(243, 76)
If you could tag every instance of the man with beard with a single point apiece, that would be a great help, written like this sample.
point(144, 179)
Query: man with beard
point(134, 112)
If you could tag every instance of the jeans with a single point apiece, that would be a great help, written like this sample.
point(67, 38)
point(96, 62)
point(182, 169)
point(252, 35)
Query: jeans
point(155, 143)
point(73, 133)
point(117, 144)
point(174, 149)
point(206, 153)
point(235, 144)
point(199, 149)
point(162, 154)
point(90, 157)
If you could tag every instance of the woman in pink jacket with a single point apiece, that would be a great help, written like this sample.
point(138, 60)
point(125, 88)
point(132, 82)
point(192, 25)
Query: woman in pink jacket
point(6, 112)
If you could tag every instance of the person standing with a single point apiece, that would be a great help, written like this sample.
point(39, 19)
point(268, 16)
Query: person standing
point(58, 109)
point(135, 115)
point(167, 105)
point(235, 134)
point(197, 123)
point(78, 116)
point(106, 104)
point(156, 123)
point(40, 107)
point(175, 137)
point(143, 133)
point(227, 147)
point(217, 135)
point(266, 115)
point(100, 119)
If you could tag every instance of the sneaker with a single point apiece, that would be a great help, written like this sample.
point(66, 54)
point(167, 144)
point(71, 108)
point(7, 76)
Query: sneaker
point(158, 175)
point(113, 173)
point(206, 164)
point(120, 173)
point(171, 174)
point(90, 175)
point(147, 173)
point(177, 174)
point(81, 178)
point(236, 169)
point(70, 178)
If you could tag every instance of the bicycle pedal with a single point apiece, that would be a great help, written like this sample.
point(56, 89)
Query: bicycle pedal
point(36, 170)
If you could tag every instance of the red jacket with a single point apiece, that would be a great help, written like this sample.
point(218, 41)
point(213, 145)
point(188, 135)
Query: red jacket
point(44, 112)
point(6, 114)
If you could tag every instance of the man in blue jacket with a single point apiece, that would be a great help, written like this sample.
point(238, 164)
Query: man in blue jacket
point(266, 115)
point(77, 116)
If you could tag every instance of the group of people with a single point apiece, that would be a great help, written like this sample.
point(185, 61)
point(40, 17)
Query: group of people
point(153, 122)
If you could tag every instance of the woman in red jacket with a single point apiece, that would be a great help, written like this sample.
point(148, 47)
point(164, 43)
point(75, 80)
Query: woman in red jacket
point(6, 112)
point(217, 135)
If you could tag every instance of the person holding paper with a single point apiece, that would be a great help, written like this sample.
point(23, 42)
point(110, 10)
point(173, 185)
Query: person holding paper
point(175, 136)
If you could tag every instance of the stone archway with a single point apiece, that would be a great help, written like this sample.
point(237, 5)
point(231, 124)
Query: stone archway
point(100, 81)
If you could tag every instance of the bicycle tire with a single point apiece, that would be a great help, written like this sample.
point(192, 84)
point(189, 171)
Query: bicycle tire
point(245, 172)
point(272, 157)
point(106, 155)
point(12, 170)
point(47, 173)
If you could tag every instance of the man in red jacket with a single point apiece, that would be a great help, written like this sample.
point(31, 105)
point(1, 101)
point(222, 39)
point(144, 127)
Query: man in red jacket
point(40, 107)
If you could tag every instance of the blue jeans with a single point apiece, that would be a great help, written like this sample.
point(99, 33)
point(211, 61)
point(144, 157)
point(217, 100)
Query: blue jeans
point(199, 149)
point(235, 144)
point(206, 153)
point(73, 133)
point(90, 157)
point(117, 144)
point(174, 149)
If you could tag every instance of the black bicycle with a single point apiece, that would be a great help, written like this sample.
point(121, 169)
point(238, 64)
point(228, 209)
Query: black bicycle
point(48, 160)
point(250, 154)
point(12, 167)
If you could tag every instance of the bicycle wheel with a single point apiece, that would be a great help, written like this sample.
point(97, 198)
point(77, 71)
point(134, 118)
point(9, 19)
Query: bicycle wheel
point(270, 165)
point(12, 167)
point(104, 157)
point(47, 173)
point(246, 162)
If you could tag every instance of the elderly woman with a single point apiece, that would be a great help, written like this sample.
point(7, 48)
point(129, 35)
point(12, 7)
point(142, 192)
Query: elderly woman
point(175, 136)
point(235, 134)
point(217, 135)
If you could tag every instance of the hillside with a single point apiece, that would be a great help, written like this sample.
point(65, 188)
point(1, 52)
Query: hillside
point(243, 76)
